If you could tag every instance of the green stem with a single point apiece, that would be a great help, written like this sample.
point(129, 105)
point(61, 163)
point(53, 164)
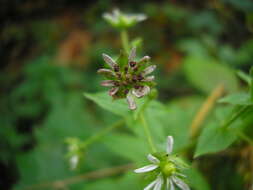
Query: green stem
point(101, 133)
point(124, 40)
point(235, 116)
point(147, 133)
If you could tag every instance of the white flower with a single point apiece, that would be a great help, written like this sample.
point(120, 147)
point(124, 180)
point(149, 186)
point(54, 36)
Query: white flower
point(167, 169)
point(122, 20)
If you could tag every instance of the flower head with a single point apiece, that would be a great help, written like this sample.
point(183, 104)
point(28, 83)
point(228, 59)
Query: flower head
point(127, 77)
point(120, 20)
point(167, 168)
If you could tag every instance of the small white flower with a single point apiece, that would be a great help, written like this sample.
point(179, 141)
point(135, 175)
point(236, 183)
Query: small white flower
point(167, 170)
point(121, 20)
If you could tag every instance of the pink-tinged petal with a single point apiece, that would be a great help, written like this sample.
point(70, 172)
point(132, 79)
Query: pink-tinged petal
point(170, 143)
point(151, 185)
point(105, 72)
point(153, 159)
point(147, 168)
point(182, 185)
point(144, 59)
point(131, 102)
point(109, 60)
point(108, 83)
point(149, 70)
point(113, 91)
point(132, 54)
point(159, 183)
point(148, 79)
point(142, 91)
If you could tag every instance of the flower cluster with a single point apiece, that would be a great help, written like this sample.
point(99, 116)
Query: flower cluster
point(128, 78)
point(122, 21)
point(167, 168)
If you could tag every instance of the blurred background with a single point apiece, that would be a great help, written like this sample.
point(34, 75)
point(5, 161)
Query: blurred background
point(50, 51)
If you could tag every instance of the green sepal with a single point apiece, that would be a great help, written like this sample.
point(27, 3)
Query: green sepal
point(122, 60)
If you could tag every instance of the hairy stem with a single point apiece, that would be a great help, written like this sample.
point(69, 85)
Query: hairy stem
point(124, 40)
point(147, 132)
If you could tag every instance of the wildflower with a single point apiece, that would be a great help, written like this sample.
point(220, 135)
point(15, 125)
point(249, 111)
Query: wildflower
point(167, 169)
point(122, 21)
point(127, 77)
point(75, 152)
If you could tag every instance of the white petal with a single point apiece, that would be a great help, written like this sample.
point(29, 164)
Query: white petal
point(153, 159)
point(180, 183)
point(116, 12)
point(170, 143)
point(179, 174)
point(168, 184)
point(150, 185)
point(159, 183)
point(141, 17)
point(142, 91)
point(74, 162)
point(149, 70)
point(172, 187)
point(108, 83)
point(109, 60)
point(132, 54)
point(109, 17)
point(147, 168)
point(113, 91)
point(131, 102)
point(149, 78)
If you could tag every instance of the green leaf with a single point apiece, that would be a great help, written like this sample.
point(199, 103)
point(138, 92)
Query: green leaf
point(245, 77)
point(251, 84)
point(206, 74)
point(196, 179)
point(214, 139)
point(127, 146)
point(237, 99)
point(118, 107)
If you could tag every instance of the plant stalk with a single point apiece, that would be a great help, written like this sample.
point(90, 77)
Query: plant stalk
point(147, 133)
point(124, 40)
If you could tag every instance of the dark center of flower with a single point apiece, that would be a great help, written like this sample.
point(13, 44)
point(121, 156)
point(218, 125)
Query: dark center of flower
point(132, 63)
point(137, 86)
point(116, 68)
point(126, 91)
point(140, 77)
point(135, 78)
